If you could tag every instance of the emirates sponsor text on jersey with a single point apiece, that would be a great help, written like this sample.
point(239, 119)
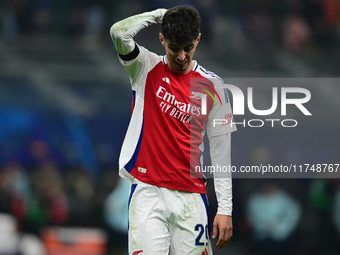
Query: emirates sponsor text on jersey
point(180, 110)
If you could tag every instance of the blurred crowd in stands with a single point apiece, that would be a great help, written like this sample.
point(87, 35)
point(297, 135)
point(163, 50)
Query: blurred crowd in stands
point(292, 24)
point(44, 194)
point(282, 219)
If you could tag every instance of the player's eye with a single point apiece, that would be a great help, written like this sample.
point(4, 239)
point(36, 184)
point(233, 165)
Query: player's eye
point(174, 49)
point(188, 48)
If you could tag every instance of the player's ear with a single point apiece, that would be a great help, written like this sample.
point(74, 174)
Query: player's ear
point(198, 37)
point(161, 39)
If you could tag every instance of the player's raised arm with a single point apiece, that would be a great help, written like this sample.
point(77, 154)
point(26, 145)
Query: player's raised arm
point(122, 32)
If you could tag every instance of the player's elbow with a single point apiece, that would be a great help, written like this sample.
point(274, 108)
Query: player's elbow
point(116, 31)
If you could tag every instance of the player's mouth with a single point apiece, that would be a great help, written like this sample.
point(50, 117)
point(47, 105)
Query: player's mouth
point(182, 64)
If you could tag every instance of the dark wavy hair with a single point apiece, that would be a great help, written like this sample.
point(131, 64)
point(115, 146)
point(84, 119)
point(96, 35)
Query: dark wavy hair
point(181, 24)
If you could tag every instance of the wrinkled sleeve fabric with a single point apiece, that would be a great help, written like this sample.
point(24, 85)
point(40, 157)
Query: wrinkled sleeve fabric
point(123, 32)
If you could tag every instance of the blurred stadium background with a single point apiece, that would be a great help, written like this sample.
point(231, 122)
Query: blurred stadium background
point(65, 103)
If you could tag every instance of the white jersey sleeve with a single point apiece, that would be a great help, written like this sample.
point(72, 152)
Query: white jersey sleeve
point(139, 67)
point(220, 155)
point(220, 124)
point(122, 32)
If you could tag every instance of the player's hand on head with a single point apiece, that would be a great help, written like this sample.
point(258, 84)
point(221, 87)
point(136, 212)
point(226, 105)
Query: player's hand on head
point(223, 229)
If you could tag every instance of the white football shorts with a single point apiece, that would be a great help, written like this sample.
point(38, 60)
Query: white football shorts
point(164, 221)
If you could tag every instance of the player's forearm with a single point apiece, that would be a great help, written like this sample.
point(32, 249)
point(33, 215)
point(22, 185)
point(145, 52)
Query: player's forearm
point(220, 156)
point(223, 190)
point(122, 32)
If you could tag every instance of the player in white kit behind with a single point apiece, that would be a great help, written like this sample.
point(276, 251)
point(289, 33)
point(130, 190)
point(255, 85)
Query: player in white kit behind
point(168, 207)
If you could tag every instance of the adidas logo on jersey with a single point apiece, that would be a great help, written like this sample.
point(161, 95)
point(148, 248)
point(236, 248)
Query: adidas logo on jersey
point(166, 79)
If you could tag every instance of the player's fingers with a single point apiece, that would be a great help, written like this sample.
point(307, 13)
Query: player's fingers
point(221, 238)
point(224, 236)
point(229, 233)
point(220, 243)
point(215, 228)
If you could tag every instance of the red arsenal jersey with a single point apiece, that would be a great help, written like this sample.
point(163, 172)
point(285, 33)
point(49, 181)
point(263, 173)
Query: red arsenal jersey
point(171, 112)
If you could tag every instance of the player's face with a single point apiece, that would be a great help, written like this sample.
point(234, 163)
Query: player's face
point(179, 56)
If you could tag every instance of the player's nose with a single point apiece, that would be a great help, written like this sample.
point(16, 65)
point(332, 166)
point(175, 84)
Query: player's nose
point(181, 56)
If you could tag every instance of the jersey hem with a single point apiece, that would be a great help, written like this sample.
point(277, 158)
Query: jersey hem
point(126, 175)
